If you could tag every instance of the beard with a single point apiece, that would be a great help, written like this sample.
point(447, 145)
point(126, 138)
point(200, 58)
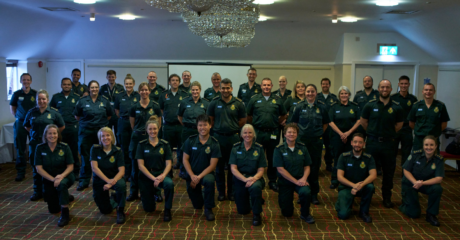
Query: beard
point(384, 97)
point(357, 149)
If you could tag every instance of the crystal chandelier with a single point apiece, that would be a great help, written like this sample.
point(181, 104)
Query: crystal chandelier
point(197, 6)
point(230, 40)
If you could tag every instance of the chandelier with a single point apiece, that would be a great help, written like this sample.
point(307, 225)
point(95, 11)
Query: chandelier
point(230, 40)
point(197, 6)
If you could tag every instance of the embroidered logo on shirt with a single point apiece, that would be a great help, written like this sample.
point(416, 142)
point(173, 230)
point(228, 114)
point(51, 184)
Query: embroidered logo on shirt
point(362, 165)
point(202, 106)
point(116, 92)
point(180, 98)
point(433, 166)
point(135, 100)
point(161, 151)
point(436, 109)
point(102, 104)
point(156, 92)
point(409, 103)
point(317, 110)
point(73, 100)
point(390, 110)
point(300, 152)
point(49, 116)
point(274, 101)
point(332, 100)
point(255, 91)
point(232, 107)
point(112, 159)
point(61, 153)
point(32, 98)
point(351, 111)
point(255, 154)
point(374, 97)
point(409, 158)
point(208, 150)
point(151, 111)
point(81, 89)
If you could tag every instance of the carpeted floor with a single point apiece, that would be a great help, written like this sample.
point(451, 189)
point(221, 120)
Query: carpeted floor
point(23, 219)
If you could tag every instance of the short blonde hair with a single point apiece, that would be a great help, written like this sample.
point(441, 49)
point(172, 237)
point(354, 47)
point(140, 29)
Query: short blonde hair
point(195, 83)
point(294, 91)
point(107, 130)
point(247, 125)
point(43, 91)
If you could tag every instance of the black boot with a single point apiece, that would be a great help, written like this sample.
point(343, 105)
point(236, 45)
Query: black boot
point(387, 203)
point(433, 220)
point(365, 217)
point(36, 197)
point(309, 219)
point(256, 220)
point(121, 215)
point(132, 197)
point(167, 215)
point(209, 214)
point(65, 217)
point(314, 199)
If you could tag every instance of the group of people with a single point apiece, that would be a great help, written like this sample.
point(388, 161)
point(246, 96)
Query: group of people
point(220, 132)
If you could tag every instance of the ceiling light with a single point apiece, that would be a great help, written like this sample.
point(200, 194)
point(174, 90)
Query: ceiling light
point(264, 2)
point(334, 19)
point(349, 19)
point(262, 18)
point(387, 3)
point(84, 1)
point(127, 17)
point(93, 17)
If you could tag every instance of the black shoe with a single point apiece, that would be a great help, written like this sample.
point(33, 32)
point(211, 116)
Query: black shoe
point(65, 217)
point(71, 198)
point(231, 198)
point(19, 178)
point(329, 168)
point(309, 219)
point(433, 220)
point(121, 215)
point(132, 197)
point(209, 214)
point(158, 198)
point(167, 215)
point(81, 187)
point(387, 203)
point(273, 186)
point(176, 166)
point(334, 186)
point(221, 198)
point(35, 197)
point(379, 172)
point(314, 199)
point(256, 220)
point(365, 217)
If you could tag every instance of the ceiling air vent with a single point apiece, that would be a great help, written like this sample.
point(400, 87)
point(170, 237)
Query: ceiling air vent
point(59, 9)
point(402, 12)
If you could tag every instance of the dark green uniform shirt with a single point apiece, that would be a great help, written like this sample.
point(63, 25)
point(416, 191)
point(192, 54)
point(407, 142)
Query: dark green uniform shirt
point(141, 115)
point(210, 94)
point(201, 154)
point(107, 163)
point(226, 115)
point(23, 102)
point(156, 92)
point(188, 89)
point(38, 121)
point(290, 104)
point(287, 93)
point(110, 94)
point(245, 94)
point(123, 102)
point(331, 99)
point(170, 103)
point(381, 118)
point(66, 106)
point(265, 113)
point(189, 110)
point(53, 162)
point(355, 169)
point(344, 116)
point(428, 120)
point(93, 114)
point(293, 161)
point(310, 119)
point(154, 157)
point(406, 104)
point(421, 168)
point(80, 90)
point(248, 162)
point(361, 98)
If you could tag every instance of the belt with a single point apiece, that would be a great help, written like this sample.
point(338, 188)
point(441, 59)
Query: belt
point(227, 134)
point(171, 123)
point(380, 139)
point(189, 125)
point(266, 129)
point(124, 118)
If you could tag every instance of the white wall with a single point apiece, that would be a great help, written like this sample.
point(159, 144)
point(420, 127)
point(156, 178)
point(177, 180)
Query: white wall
point(38, 74)
point(6, 116)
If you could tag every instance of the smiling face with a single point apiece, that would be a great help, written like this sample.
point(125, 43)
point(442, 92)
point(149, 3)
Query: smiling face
point(282, 82)
point(226, 90)
point(144, 92)
point(93, 89)
point(174, 83)
point(428, 92)
point(216, 80)
point(325, 86)
point(300, 89)
point(266, 87)
point(291, 134)
point(196, 91)
point(76, 75)
point(106, 138)
point(385, 89)
point(429, 146)
point(152, 130)
point(368, 83)
point(251, 75)
point(403, 85)
point(357, 143)
point(52, 135)
point(186, 76)
point(42, 100)
point(66, 85)
point(129, 85)
point(203, 128)
point(111, 78)
point(248, 135)
point(26, 80)
point(344, 96)
point(311, 94)
point(152, 77)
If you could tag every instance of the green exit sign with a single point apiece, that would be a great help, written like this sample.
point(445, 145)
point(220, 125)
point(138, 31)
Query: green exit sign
point(388, 50)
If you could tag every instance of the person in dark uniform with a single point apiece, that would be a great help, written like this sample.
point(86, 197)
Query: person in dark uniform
point(108, 173)
point(382, 119)
point(344, 116)
point(228, 115)
point(406, 101)
point(327, 98)
point(92, 112)
point(362, 97)
point(110, 90)
point(123, 102)
point(356, 173)
point(428, 117)
point(139, 114)
point(293, 162)
point(35, 122)
point(21, 102)
point(65, 102)
point(292, 101)
point(266, 113)
point(213, 91)
point(201, 154)
point(423, 172)
point(155, 163)
point(169, 104)
point(155, 88)
point(248, 163)
point(312, 118)
point(283, 92)
point(185, 86)
point(249, 89)
point(79, 88)
point(54, 162)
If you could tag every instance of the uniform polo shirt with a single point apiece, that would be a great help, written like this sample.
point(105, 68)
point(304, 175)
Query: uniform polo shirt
point(93, 114)
point(53, 162)
point(382, 118)
point(428, 120)
point(23, 102)
point(154, 157)
point(170, 103)
point(265, 113)
point(406, 103)
point(248, 161)
point(355, 169)
point(123, 102)
point(189, 110)
point(421, 168)
point(293, 161)
point(141, 115)
point(361, 98)
point(226, 115)
point(290, 104)
point(107, 163)
point(201, 154)
point(66, 106)
point(38, 121)
point(156, 92)
point(211, 94)
point(245, 93)
point(344, 116)
point(310, 119)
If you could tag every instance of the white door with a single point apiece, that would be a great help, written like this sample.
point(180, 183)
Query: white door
point(56, 71)
point(393, 72)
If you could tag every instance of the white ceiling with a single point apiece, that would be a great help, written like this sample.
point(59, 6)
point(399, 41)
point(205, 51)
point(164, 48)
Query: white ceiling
point(298, 30)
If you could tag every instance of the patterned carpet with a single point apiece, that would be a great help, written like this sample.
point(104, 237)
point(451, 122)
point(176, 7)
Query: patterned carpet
point(22, 219)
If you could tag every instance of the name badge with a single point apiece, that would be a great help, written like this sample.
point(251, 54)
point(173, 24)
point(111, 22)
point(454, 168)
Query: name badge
point(21, 98)
point(219, 106)
point(284, 154)
point(417, 162)
point(376, 110)
point(167, 98)
point(60, 102)
point(44, 154)
point(259, 101)
point(337, 111)
point(244, 90)
point(210, 94)
point(188, 106)
point(98, 157)
point(147, 151)
point(350, 164)
point(194, 148)
point(273, 136)
point(238, 152)
point(105, 91)
point(123, 99)
point(138, 111)
point(111, 103)
point(420, 109)
point(361, 97)
point(87, 105)
point(32, 118)
point(304, 110)
point(295, 103)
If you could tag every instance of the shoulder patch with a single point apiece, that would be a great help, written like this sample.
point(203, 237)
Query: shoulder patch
point(254, 95)
point(105, 97)
point(118, 148)
point(281, 144)
point(333, 103)
point(373, 100)
point(145, 140)
point(397, 103)
point(96, 145)
point(236, 144)
point(55, 109)
point(215, 139)
point(205, 99)
point(154, 102)
point(301, 143)
point(276, 96)
point(164, 141)
point(346, 154)
point(353, 103)
point(367, 155)
point(76, 94)
point(417, 151)
point(238, 99)
point(439, 157)
point(63, 143)
point(320, 101)
point(258, 144)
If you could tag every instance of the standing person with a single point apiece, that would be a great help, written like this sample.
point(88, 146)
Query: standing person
point(249, 89)
point(79, 88)
point(327, 98)
point(54, 162)
point(248, 165)
point(356, 173)
point(344, 116)
point(123, 102)
point(21, 102)
point(139, 114)
point(423, 172)
point(228, 115)
point(266, 113)
point(65, 102)
point(291, 102)
point(155, 163)
point(201, 154)
point(169, 104)
point(283, 92)
point(92, 112)
point(110, 90)
point(406, 101)
point(312, 118)
point(213, 91)
point(155, 88)
point(108, 171)
point(36, 120)
point(382, 119)
point(427, 117)
point(185, 86)
point(293, 162)
point(362, 97)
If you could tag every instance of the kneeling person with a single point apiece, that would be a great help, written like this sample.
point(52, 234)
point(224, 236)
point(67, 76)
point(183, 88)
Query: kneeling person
point(356, 173)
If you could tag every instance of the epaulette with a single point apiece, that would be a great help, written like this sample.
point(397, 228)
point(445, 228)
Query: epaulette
point(118, 148)
point(258, 144)
point(367, 155)
point(290, 96)
point(205, 99)
point(104, 97)
point(397, 103)
point(353, 103)
point(439, 156)
point(97, 145)
point(254, 95)
point(359, 91)
point(417, 151)
point(63, 143)
point(276, 96)
point(143, 141)
point(346, 154)
point(238, 99)
point(55, 109)
point(216, 97)
point(301, 143)
point(215, 139)
point(182, 91)
point(192, 136)
point(236, 144)
point(155, 102)
point(76, 94)
point(333, 103)
point(281, 144)
point(41, 144)
point(373, 100)
point(320, 101)
point(164, 141)
point(418, 101)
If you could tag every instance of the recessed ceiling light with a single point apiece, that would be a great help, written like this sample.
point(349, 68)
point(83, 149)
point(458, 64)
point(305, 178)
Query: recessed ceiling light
point(349, 19)
point(334, 19)
point(387, 3)
point(84, 1)
point(262, 18)
point(92, 18)
point(264, 2)
point(127, 17)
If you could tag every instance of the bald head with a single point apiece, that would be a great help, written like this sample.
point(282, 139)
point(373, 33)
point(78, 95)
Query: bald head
point(385, 89)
